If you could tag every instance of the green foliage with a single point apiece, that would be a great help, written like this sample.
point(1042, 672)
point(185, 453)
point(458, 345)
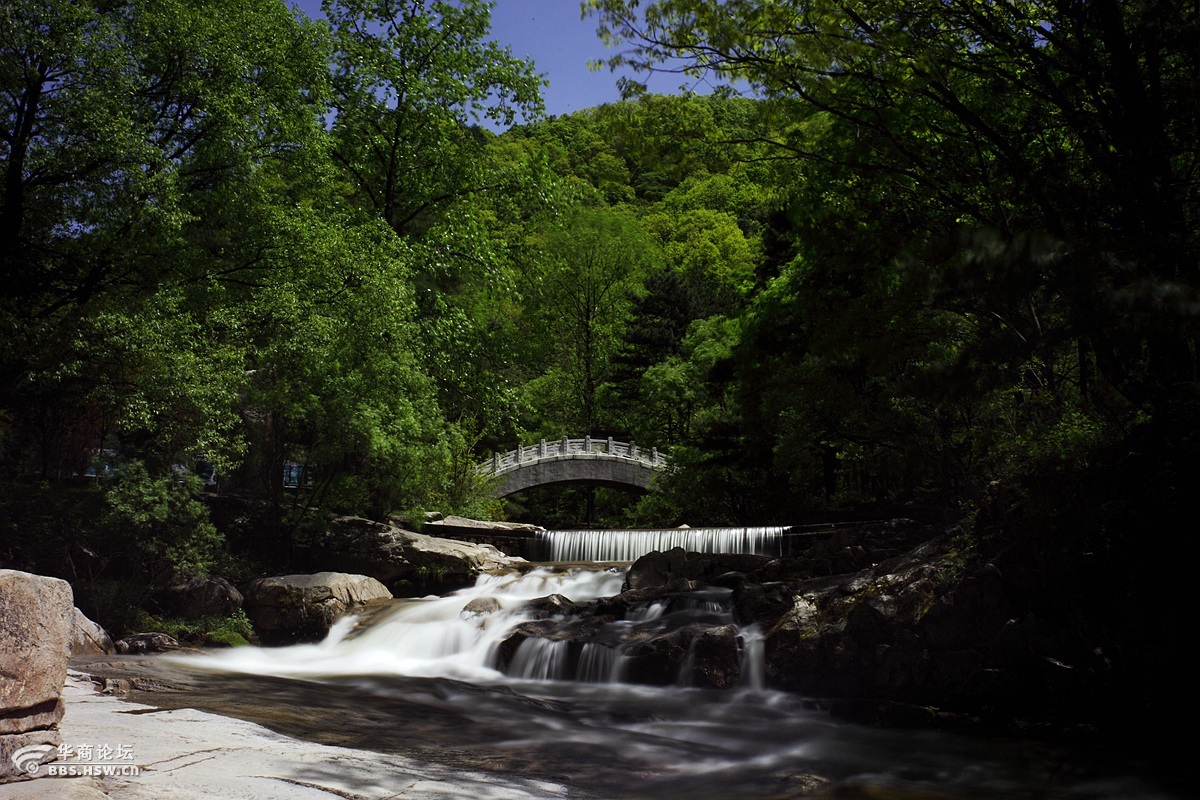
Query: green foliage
point(409, 79)
point(234, 630)
point(161, 518)
point(955, 241)
point(595, 260)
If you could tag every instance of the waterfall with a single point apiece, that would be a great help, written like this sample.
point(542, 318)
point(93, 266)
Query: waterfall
point(598, 664)
point(540, 660)
point(754, 668)
point(604, 545)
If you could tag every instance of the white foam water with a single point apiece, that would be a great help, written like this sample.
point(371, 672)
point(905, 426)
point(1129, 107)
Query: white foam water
point(604, 545)
point(433, 636)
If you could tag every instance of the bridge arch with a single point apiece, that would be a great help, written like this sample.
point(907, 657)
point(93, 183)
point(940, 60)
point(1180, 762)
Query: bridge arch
point(594, 461)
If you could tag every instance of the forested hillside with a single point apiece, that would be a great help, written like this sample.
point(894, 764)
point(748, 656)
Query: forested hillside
point(944, 249)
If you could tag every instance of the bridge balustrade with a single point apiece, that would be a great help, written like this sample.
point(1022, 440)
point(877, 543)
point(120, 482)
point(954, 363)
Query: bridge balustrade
point(566, 447)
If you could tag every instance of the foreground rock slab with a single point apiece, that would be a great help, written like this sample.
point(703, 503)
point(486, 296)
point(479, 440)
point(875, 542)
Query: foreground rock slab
point(191, 755)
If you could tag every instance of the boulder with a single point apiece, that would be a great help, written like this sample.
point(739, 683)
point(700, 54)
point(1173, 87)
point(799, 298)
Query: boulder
point(37, 620)
point(555, 605)
point(659, 658)
point(292, 608)
point(89, 639)
point(397, 557)
point(210, 596)
point(715, 659)
point(679, 570)
point(482, 605)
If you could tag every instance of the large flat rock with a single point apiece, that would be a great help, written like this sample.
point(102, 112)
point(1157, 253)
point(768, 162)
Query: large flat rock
point(192, 755)
point(392, 555)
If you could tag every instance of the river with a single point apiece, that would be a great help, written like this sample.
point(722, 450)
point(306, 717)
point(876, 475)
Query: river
point(424, 678)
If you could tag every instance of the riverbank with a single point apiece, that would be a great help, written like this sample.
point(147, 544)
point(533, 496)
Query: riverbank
point(186, 754)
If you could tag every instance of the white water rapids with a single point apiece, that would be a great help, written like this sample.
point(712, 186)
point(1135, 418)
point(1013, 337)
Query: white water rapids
point(428, 637)
point(459, 636)
point(423, 680)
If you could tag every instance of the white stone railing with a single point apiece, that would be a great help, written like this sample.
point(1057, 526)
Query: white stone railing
point(573, 448)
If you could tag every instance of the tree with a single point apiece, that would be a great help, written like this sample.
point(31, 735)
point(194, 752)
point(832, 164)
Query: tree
point(595, 261)
point(412, 80)
point(127, 133)
point(1077, 120)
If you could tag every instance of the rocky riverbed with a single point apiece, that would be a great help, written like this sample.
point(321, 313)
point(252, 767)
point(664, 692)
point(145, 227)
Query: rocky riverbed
point(686, 674)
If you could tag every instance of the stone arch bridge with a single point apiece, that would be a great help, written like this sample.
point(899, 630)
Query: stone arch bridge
point(599, 462)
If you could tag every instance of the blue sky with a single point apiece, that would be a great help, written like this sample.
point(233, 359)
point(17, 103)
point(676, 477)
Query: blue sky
point(561, 45)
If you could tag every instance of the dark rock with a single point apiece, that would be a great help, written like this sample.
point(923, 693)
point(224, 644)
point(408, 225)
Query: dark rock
point(657, 661)
point(761, 603)
point(210, 596)
point(971, 614)
point(872, 621)
point(716, 658)
point(143, 643)
point(554, 605)
point(679, 570)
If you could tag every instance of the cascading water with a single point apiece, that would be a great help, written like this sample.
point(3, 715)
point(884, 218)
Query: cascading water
point(452, 636)
point(603, 545)
point(503, 676)
point(461, 635)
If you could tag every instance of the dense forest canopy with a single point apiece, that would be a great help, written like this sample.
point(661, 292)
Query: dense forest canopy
point(944, 244)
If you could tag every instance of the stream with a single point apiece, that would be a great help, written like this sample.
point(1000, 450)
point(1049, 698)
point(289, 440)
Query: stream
point(423, 677)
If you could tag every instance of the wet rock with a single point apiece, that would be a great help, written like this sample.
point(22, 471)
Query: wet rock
point(679, 570)
point(210, 596)
point(761, 603)
point(716, 658)
point(37, 620)
point(657, 660)
point(144, 643)
point(88, 638)
point(292, 608)
point(574, 633)
point(554, 605)
point(482, 605)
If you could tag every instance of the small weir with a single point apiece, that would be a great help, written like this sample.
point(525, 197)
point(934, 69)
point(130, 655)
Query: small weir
point(630, 545)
